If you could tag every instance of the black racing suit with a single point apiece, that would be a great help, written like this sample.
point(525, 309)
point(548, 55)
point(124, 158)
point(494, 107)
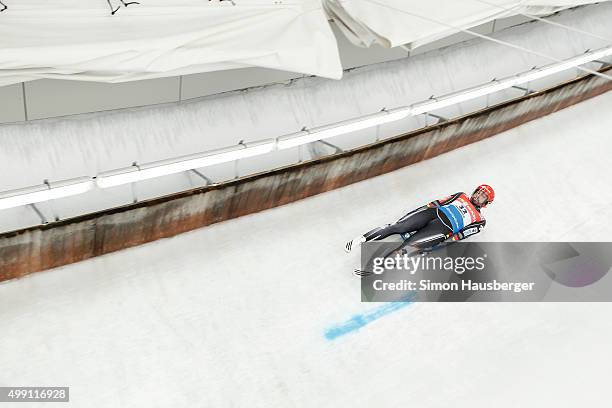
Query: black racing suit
point(427, 226)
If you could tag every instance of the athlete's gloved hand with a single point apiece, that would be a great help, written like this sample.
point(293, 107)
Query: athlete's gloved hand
point(467, 232)
point(434, 204)
point(441, 202)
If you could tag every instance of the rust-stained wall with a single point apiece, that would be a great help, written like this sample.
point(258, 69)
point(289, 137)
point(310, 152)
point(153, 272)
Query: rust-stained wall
point(60, 243)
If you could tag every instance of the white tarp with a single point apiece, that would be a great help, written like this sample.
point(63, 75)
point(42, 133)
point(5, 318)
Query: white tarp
point(81, 40)
point(413, 23)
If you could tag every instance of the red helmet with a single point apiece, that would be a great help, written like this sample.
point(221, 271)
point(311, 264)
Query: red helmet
point(488, 192)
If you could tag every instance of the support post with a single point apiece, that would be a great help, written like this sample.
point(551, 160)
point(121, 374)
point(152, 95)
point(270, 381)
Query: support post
point(42, 217)
point(236, 170)
point(202, 176)
point(333, 146)
point(440, 118)
point(133, 187)
point(524, 89)
point(55, 216)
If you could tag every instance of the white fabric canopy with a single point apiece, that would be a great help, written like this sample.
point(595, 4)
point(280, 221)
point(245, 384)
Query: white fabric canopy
point(81, 40)
point(392, 23)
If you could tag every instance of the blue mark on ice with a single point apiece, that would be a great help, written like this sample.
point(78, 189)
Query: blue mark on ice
point(363, 319)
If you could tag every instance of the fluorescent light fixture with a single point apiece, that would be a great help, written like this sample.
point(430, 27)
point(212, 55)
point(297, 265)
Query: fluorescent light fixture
point(45, 192)
point(184, 163)
point(341, 128)
point(562, 66)
point(499, 85)
point(458, 97)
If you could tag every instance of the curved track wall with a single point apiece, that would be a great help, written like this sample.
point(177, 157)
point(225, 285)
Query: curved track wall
point(55, 244)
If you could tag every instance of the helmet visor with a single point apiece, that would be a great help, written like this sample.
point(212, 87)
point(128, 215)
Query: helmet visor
point(480, 197)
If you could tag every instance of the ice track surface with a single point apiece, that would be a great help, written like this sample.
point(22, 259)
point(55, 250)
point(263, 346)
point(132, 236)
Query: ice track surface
point(236, 315)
